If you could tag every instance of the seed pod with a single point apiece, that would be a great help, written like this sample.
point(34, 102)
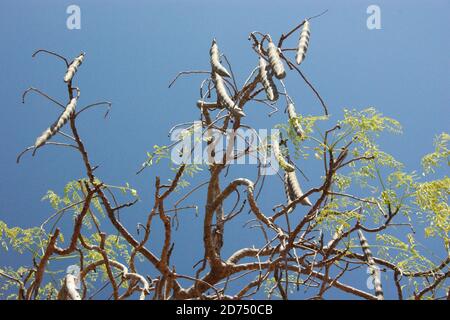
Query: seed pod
point(374, 270)
point(292, 115)
point(275, 61)
point(295, 191)
point(73, 67)
point(303, 43)
point(216, 66)
point(286, 166)
point(224, 98)
point(208, 105)
point(55, 127)
point(267, 81)
point(288, 191)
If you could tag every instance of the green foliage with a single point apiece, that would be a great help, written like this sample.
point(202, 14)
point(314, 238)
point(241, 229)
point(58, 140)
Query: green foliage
point(72, 199)
point(159, 153)
point(432, 198)
point(424, 205)
point(380, 182)
point(405, 255)
point(21, 240)
point(309, 126)
point(440, 154)
point(368, 124)
point(126, 189)
point(10, 274)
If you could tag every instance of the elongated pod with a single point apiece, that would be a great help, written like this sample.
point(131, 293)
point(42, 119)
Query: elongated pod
point(303, 43)
point(374, 270)
point(295, 190)
point(224, 98)
point(73, 67)
point(292, 115)
point(266, 81)
point(286, 166)
point(216, 66)
point(275, 61)
point(288, 191)
point(57, 125)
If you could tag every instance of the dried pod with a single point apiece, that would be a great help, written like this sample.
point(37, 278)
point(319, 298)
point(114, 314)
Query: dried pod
point(216, 66)
point(292, 115)
point(275, 61)
point(224, 98)
point(208, 105)
point(288, 191)
point(294, 190)
point(374, 270)
point(267, 81)
point(73, 67)
point(55, 127)
point(286, 166)
point(303, 43)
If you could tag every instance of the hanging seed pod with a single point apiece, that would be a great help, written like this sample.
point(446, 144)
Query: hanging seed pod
point(303, 43)
point(73, 67)
point(224, 98)
point(292, 115)
point(374, 270)
point(267, 81)
point(288, 191)
point(55, 127)
point(295, 190)
point(286, 166)
point(216, 66)
point(275, 61)
point(208, 105)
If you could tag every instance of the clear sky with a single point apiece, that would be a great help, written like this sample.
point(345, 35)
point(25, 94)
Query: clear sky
point(133, 50)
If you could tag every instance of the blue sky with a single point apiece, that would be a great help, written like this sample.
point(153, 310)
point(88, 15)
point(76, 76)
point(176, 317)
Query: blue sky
point(133, 50)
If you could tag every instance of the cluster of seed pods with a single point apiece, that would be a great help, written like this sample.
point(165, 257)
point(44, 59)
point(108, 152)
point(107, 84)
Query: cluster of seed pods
point(291, 185)
point(69, 109)
point(275, 68)
point(267, 81)
point(218, 72)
